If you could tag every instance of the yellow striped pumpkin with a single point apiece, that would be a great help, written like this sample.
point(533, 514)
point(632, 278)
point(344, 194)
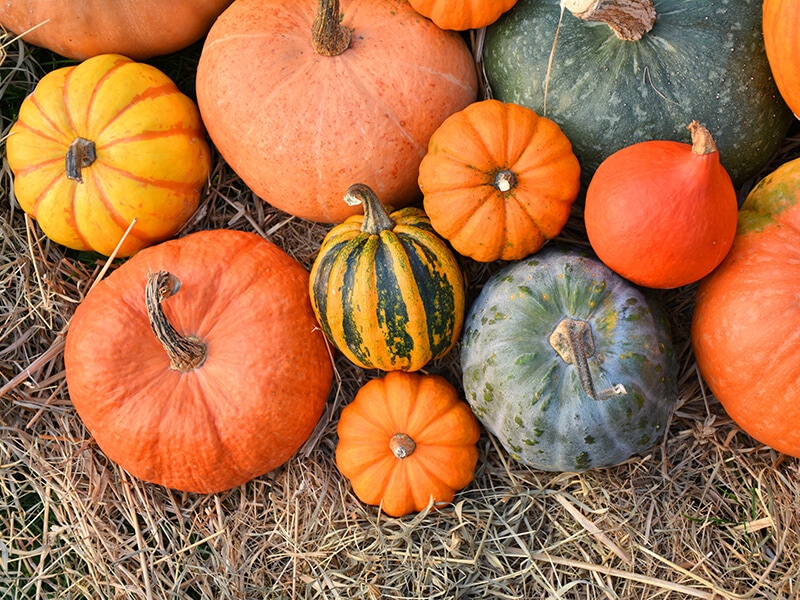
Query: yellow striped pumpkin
point(103, 143)
point(387, 290)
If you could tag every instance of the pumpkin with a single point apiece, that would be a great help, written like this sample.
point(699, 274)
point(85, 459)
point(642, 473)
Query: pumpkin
point(387, 291)
point(462, 15)
point(567, 364)
point(138, 29)
point(498, 180)
point(781, 25)
point(325, 110)
point(662, 213)
point(607, 89)
point(744, 333)
point(407, 441)
point(198, 364)
point(105, 143)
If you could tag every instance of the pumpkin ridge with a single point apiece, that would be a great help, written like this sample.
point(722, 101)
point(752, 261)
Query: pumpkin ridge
point(81, 122)
point(166, 88)
point(66, 136)
point(111, 210)
point(166, 184)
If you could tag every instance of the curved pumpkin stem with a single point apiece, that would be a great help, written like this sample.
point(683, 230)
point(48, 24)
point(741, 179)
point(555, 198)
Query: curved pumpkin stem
point(702, 142)
point(573, 341)
point(402, 445)
point(629, 19)
point(328, 36)
point(81, 153)
point(376, 218)
point(185, 353)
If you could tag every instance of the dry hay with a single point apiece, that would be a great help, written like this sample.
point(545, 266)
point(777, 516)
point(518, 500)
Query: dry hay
point(707, 514)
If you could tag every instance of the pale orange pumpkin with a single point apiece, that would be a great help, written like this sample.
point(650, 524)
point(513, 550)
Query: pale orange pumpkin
point(781, 27)
point(105, 143)
point(138, 29)
point(355, 102)
point(498, 180)
point(464, 14)
point(407, 441)
point(198, 364)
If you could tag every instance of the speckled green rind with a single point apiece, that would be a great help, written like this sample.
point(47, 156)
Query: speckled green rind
point(531, 400)
point(703, 60)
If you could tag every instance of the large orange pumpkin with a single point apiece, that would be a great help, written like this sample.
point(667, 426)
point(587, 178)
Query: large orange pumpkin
point(198, 363)
point(781, 26)
point(498, 180)
point(104, 143)
point(355, 102)
point(136, 28)
point(406, 441)
point(745, 332)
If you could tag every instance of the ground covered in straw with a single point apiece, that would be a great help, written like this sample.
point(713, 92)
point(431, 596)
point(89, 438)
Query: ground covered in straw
point(709, 513)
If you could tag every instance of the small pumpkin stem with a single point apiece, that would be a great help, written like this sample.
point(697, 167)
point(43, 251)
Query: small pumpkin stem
point(702, 142)
point(629, 19)
point(573, 341)
point(185, 353)
point(402, 446)
point(505, 180)
point(328, 36)
point(81, 153)
point(376, 218)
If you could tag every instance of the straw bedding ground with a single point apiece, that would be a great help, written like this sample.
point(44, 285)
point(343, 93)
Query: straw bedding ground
point(709, 513)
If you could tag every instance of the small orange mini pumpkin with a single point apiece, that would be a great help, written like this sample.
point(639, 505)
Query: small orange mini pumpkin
point(407, 440)
point(462, 15)
point(498, 180)
point(781, 26)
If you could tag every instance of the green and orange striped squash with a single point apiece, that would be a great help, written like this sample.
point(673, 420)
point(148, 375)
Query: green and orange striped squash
point(387, 290)
point(105, 144)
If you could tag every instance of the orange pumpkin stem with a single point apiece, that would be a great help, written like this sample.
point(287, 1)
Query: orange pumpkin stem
point(328, 36)
point(573, 341)
point(629, 19)
point(702, 142)
point(185, 353)
point(402, 445)
point(376, 217)
point(81, 153)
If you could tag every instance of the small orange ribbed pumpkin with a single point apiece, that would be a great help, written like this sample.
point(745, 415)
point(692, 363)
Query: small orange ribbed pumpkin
point(407, 440)
point(781, 26)
point(662, 213)
point(198, 363)
point(105, 142)
point(464, 14)
point(340, 95)
point(498, 180)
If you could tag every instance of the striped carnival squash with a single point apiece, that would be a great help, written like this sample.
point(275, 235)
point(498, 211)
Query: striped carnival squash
point(569, 365)
point(388, 292)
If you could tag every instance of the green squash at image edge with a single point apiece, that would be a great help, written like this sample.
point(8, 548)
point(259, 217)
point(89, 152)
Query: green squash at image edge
point(524, 377)
point(702, 60)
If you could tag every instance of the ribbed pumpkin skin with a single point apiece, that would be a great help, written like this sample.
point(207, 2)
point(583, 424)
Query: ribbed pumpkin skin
point(152, 158)
point(703, 60)
point(464, 197)
point(464, 14)
point(444, 431)
point(745, 332)
point(531, 399)
point(392, 301)
point(781, 23)
point(246, 409)
point(138, 29)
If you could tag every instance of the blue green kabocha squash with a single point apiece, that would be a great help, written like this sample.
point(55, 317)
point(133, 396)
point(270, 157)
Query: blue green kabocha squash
point(569, 365)
point(702, 60)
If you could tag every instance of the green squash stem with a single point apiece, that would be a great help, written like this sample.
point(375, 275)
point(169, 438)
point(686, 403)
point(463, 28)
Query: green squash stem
point(401, 445)
point(629, 19)
point(185, 353)
point(80, 154)
point(328, 36)
point(376, 218)
point(574, 343)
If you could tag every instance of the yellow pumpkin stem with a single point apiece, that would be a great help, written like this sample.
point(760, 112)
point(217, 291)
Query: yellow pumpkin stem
point(402, 445)
point(702, 142)
point(328, 36)
point(185, 353)
point(80, 154)
point(574, 343)
point(376, 217)
point(629, 19)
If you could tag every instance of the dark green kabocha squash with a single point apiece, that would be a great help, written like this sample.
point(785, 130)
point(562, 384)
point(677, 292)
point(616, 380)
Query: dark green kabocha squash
point(569, 365)
point(702, 60)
